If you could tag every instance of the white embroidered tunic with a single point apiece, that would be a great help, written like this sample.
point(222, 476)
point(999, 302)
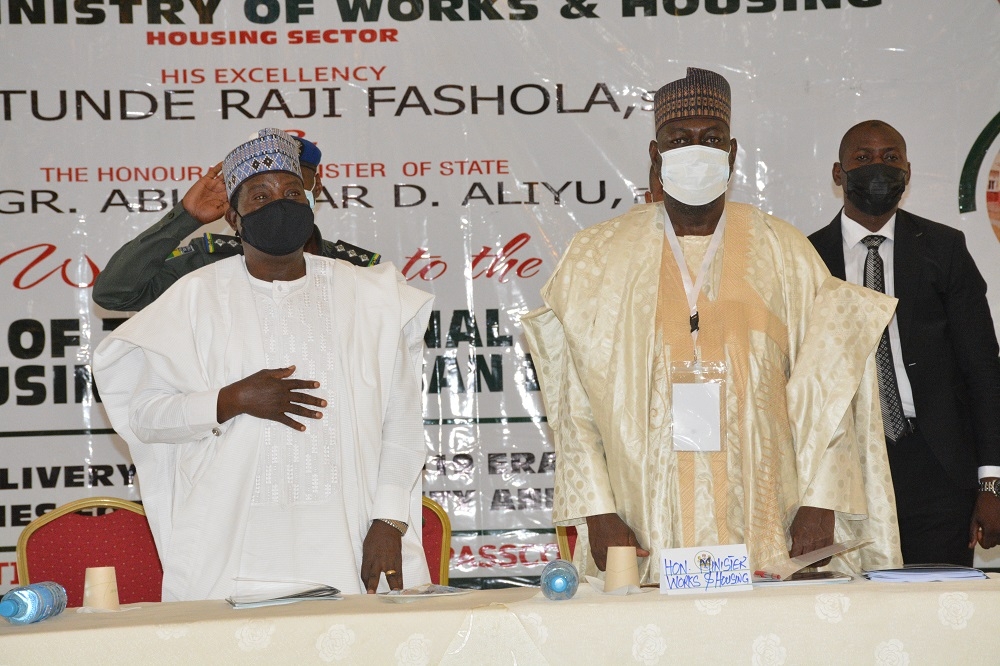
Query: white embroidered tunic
point(252, 498)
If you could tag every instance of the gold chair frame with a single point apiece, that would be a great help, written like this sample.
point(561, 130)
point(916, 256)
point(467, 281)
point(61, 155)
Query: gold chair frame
point(445, 536)
point(71, 507)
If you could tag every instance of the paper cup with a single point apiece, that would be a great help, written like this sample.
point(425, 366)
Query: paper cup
point(100, 588)
point(622, 568)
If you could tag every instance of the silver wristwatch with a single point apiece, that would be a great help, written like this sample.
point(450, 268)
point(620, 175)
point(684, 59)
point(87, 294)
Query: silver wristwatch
point(990, 486)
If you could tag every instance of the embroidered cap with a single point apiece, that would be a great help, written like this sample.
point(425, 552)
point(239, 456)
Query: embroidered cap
point(270, 150)
point(702, 93)
point(311, 155)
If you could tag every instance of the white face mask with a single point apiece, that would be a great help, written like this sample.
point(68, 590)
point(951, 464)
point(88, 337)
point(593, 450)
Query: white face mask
point(311, 198)
point(695, 175)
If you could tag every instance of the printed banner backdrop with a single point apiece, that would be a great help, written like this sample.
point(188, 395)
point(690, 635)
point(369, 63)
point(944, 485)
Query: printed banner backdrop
point(466, 141)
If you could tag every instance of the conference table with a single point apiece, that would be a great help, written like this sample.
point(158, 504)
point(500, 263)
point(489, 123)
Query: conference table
point(859, 622)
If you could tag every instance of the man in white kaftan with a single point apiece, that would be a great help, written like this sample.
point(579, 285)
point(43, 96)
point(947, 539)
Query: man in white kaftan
point(801, 461)
point(259, 496)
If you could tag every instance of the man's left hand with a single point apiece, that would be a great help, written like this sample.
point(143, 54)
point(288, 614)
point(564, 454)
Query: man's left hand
point(382, 552)
point(812, 529)
point(985, 527)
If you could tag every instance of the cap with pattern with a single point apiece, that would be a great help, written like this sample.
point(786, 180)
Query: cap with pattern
point(270, 150)
point(700, 94)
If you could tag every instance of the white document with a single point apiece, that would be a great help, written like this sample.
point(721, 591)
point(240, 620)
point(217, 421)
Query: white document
point(253, 593)
point(926, 573)
point(781, 570)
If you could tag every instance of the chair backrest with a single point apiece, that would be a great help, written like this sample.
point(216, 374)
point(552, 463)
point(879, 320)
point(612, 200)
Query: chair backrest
point(566, 540)
point(60, 545)
point(436, 533)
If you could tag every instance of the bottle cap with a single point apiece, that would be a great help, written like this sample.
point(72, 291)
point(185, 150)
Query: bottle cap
point(558, 583)
point(8, 608)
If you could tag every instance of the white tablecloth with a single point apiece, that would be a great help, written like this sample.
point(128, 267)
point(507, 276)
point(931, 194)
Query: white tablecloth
point(854, 623)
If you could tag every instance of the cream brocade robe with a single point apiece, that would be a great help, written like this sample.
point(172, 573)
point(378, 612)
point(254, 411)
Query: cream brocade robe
point(803, 425)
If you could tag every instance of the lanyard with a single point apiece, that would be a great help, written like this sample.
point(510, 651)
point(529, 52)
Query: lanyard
point(693, 289)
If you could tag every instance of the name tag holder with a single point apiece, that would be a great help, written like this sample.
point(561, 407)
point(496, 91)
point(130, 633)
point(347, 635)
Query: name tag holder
point(698, 405)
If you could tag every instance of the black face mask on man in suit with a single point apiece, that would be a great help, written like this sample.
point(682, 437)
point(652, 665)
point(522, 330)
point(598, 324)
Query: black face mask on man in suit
point(874, 189)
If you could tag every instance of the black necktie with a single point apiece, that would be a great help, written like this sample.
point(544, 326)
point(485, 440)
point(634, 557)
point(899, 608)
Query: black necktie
point(888, 391)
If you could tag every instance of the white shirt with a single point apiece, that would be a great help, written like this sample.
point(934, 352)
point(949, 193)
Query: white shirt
point(855, 253)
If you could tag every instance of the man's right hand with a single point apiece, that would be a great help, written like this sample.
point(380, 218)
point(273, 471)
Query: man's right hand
point(206, 201)
point(269, 394)
point(606, 530)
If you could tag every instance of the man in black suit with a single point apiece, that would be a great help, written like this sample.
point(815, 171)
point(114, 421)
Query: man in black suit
point(939, 382)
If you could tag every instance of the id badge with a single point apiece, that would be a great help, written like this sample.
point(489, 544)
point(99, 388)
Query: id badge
point(698, 405)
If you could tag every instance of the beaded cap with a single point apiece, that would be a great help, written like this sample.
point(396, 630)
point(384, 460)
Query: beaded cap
point(702, 93)
point(270, 150)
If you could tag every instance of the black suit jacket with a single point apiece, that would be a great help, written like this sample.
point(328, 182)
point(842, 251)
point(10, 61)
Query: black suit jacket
point(947, 337)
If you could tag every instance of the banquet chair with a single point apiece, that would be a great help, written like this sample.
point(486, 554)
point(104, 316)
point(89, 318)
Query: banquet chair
point(60, 545)
point(436, 533)
point(566, 540)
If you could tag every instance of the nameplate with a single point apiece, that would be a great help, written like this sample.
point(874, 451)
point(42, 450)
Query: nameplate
point(705, 570)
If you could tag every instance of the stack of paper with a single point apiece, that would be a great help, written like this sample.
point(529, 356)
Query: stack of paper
point(803, 578)
point(426, 591)
point(925, 573)
point(293, 594)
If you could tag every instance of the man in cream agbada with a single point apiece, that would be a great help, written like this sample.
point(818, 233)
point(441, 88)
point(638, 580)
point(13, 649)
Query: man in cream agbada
point(698, 311)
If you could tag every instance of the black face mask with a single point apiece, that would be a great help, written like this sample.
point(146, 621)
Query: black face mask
point(278, 228)
point(874, 189)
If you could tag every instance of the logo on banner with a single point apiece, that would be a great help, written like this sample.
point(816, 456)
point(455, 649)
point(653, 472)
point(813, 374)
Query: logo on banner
point(985, 147)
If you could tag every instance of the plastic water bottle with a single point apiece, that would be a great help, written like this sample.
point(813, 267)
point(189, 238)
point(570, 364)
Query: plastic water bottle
point(33, 603)
point(559, 580)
